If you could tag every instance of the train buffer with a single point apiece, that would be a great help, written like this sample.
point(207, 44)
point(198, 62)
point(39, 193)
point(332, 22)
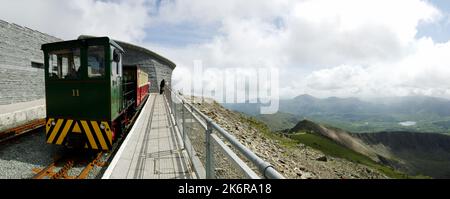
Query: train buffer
point(151, 149)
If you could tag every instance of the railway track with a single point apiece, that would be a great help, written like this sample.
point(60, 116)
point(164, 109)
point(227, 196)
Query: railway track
point(46, 161)
point(21, 130)
point(60, 168)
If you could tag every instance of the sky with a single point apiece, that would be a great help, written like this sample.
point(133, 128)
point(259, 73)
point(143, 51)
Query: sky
point(346, 48)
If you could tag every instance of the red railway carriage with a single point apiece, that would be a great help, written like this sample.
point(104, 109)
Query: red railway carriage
point(142, 86)
point(136, 85)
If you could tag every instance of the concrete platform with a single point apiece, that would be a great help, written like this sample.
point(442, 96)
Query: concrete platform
point(151, 149)
point(13, 115)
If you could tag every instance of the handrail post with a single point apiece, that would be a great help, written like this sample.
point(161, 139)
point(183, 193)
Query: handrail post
point(172, 106)
point(175, 112)
point(183, 123)
point(209, 152)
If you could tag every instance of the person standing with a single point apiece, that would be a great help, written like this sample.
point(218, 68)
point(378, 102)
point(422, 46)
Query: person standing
point(161, 87)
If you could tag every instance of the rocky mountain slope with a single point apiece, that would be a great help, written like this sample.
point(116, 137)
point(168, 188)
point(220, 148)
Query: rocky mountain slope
point(337, 135)
point(289, 157)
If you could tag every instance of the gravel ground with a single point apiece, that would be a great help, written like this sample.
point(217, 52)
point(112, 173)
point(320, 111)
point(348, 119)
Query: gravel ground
point(78, 167)
point(20, 156)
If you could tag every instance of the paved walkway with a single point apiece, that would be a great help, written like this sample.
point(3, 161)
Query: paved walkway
point(9, 108)
point(151, 149)
point(13, 115)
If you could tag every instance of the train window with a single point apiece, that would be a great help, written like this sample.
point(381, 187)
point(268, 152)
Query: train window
point(64, 64)
point(96, 61)
point(116, 55)
point(53, 70)
point(116, 62)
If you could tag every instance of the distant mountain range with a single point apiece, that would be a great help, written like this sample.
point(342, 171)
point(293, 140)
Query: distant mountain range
point(412, 113)
point(410, 134)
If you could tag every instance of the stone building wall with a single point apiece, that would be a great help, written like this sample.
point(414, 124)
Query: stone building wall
point(163, 72)
point(157, 69)
point(19, 47)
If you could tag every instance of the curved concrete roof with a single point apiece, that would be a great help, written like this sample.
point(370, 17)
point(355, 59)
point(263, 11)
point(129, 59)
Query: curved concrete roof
point(139, 48)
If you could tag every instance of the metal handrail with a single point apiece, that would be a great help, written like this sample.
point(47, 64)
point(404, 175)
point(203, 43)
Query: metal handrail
point(264, 167)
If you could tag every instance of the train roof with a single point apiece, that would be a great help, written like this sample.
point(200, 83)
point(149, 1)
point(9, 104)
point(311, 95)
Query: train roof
point(79, 42)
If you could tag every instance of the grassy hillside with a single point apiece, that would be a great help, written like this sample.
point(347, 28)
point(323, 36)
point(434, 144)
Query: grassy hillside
point(279, 120)
point(331, 148)
point(324, 145)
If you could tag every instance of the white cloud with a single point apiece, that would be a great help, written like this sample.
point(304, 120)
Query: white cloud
point(337, 78)
point(124, 20)
point(424, 72)
point(324, 33)
point(323, 47)
point(345, 48)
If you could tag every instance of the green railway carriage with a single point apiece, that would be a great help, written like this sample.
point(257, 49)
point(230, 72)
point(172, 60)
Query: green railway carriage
point(84, 90)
